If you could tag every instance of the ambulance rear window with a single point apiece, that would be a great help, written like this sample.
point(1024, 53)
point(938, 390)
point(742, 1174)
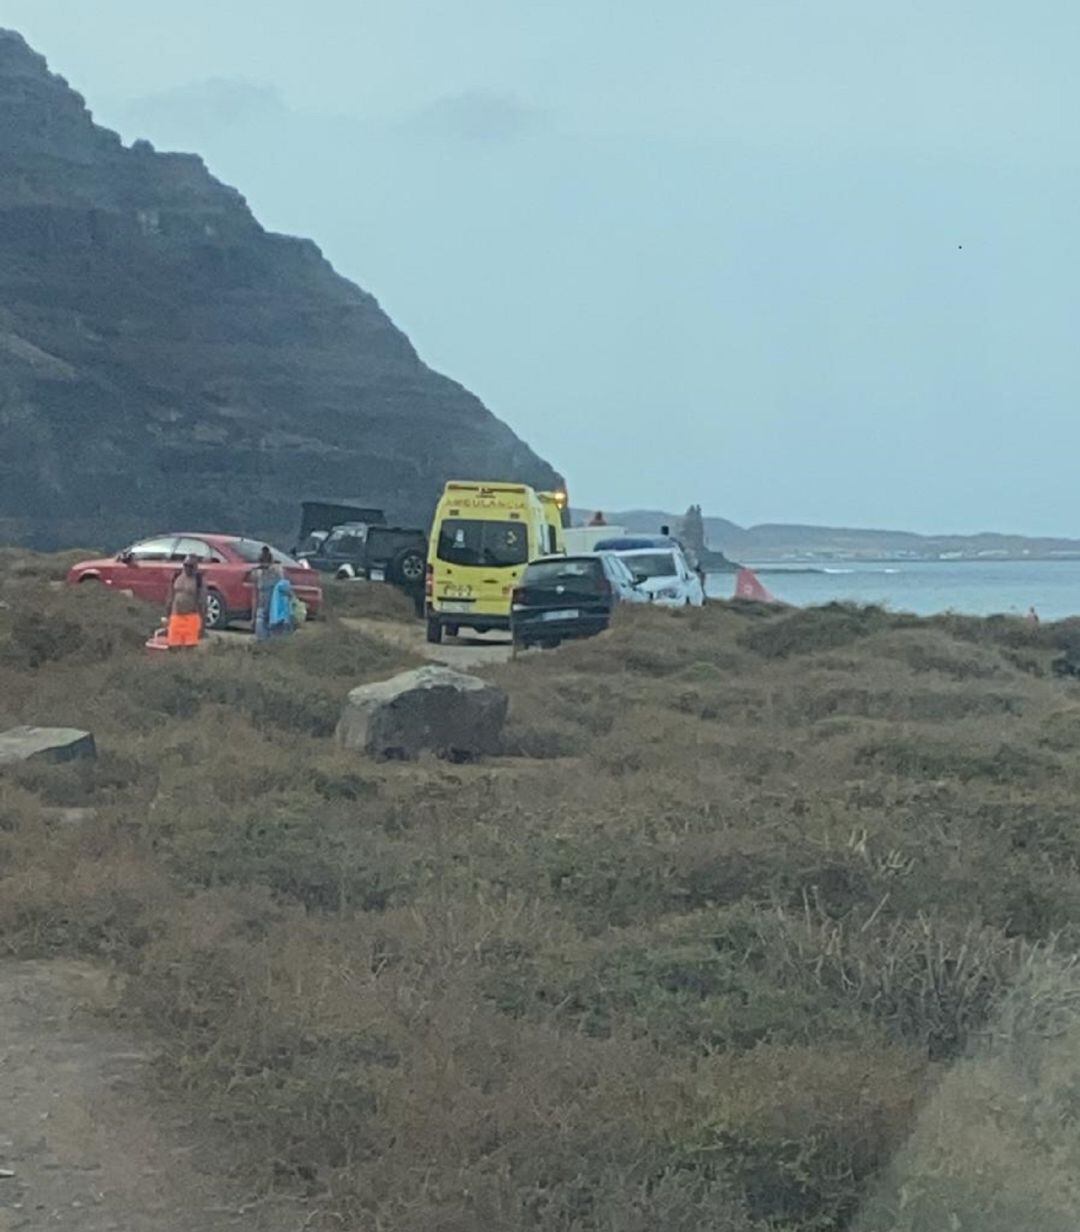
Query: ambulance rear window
point(468, 541)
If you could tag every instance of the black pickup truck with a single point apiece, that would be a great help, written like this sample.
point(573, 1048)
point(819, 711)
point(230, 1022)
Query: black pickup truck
point(319, 517)
point(350, 541)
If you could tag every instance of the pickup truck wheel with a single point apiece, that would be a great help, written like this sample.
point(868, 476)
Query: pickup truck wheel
point(217, 612)
point(434, 630)
point(407, 567)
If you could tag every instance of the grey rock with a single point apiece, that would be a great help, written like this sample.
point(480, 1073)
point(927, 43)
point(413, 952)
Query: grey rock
point(51, 744)
point(432, 709)
point(69, 816)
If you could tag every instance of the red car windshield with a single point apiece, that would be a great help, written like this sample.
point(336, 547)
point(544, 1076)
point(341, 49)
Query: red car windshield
point(250, 550)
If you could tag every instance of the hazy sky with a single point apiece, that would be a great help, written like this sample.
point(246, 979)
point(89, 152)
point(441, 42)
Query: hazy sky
point(798, 260)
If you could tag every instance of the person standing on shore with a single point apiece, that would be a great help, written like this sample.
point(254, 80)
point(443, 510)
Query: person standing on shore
point(264, 577)
point(186, 609)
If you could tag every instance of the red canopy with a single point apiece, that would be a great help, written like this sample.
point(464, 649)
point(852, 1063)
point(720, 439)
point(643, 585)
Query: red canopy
point(748, 586)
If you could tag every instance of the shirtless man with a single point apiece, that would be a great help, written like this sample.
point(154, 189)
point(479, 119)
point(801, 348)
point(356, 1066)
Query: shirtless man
point(187, 603)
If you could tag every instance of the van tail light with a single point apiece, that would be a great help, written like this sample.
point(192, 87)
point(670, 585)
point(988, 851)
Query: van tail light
point(429, 582)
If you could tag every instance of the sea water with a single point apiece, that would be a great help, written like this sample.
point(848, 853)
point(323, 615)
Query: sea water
point(974, 587)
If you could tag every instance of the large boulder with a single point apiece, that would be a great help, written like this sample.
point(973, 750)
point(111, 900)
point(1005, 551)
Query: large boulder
point(52, 744)
point(429, 710)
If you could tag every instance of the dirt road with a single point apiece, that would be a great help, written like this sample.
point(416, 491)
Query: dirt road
point(88, 1145)
point(465, 652)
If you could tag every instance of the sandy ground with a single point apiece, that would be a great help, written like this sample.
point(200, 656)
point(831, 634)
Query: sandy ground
point(89, 1145)
point(465, 652)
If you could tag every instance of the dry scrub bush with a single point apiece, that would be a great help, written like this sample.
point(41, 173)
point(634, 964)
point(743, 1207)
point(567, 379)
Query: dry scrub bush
point(997, 1146)
point(368, 1068)
point(1061, 730)
point(802, 631)
point(928, 983)
point(1011, 632)
point(40, 625)
point(804, 1128)
point(942, 756)
point(735, 977)
point(685, 961)
point(936, 651)
point(369, 600)
point(19, 565)
point(86, 890)
point(297, 686)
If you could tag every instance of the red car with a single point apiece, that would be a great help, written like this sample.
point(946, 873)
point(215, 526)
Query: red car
point(147, 569)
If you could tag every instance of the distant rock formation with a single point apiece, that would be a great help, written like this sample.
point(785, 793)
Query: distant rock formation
point(166, 363)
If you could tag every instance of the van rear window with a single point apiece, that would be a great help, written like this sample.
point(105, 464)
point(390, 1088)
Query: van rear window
point(468, 541)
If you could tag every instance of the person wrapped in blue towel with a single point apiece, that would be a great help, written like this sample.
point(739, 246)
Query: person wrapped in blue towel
point(281, 617)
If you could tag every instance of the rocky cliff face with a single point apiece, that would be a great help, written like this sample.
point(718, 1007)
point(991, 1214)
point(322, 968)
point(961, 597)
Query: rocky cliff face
point(165, 362)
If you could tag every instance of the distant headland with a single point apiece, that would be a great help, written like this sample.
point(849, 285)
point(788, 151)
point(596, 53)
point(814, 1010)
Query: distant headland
point(800, 544)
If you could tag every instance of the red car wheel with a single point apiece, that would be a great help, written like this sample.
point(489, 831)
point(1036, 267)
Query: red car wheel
point(217, 612)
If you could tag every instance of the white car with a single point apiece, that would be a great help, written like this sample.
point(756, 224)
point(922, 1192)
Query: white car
point(664, 576)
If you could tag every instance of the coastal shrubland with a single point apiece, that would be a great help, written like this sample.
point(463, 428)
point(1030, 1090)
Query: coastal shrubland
point(752, 900)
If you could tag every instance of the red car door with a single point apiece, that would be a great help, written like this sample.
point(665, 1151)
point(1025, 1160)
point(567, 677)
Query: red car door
point(146, 569)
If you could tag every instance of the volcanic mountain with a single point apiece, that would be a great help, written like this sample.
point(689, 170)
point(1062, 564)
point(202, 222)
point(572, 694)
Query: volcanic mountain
point(165, 362)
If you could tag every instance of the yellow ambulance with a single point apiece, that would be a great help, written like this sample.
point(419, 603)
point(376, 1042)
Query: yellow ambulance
point(483, 536)
point(558, 517)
